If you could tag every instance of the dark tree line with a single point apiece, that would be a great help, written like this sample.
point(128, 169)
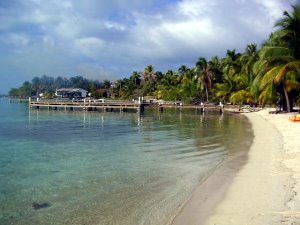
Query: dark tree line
point(47, 85)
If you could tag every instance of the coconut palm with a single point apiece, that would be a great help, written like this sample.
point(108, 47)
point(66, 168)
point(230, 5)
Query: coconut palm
point(279, 64)
point(231, 64)
point(188, 86)
point(215, 68)
point(289, 30)
point(248, 59)
point(168, 87)
point(242, 93)
point(231, 67)
point(204, 76)
point(183, 70)
point(135, 78)
point(149, 81)
point(149, 73)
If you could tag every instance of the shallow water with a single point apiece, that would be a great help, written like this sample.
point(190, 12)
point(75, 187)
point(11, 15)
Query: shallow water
point(108, 168)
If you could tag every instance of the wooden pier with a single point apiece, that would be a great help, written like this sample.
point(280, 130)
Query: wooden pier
point(85, 104)
point(114, 105)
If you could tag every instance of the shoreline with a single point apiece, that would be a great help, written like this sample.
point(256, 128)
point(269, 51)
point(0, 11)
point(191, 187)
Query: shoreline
point(262, 189)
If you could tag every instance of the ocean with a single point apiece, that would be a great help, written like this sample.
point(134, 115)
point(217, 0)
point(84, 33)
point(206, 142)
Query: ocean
point(108, 168)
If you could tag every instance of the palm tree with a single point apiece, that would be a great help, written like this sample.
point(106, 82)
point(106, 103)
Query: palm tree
point(168, 86)
point(241, 93)
point(279, 64)
point(289, 30)
point(204, 75)
point(248, 59)
point(231, 66)
point(231, 63)
point(187, 84)
point(135, 78)
point(149, 81)
point(215, 68)
point(183, 70)
point(149, 73)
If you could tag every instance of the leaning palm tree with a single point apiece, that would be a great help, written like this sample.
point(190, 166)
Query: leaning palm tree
point(279, 65)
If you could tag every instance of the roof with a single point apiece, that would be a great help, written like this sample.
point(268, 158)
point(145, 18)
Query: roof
point(70, 90)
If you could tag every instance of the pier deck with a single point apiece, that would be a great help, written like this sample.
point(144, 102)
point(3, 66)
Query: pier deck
point(89, 105)
point(110, 105)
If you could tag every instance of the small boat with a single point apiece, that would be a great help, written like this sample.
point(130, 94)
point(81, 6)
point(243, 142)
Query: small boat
point(295, 118)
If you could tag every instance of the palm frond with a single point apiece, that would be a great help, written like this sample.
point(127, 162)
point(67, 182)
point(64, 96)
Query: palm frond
point(268, 78)
point(267, 95)
point(284, 69)
point(271, 52)
point(240, 97)
point(292, 85)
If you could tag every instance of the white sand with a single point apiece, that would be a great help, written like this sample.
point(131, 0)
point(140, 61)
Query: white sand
point(265, 191)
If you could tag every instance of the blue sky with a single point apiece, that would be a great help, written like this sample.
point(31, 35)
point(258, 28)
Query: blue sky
point(100, 39)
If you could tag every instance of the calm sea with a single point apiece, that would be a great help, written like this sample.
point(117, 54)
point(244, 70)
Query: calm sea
point(108, 168)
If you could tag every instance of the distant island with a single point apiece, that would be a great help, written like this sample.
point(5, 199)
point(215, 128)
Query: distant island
point(266, 75)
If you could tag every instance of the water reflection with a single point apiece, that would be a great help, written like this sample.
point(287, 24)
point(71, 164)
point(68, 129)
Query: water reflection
point(119, 164)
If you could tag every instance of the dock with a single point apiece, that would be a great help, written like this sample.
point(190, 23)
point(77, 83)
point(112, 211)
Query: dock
point(114, 105)
point(86, 104)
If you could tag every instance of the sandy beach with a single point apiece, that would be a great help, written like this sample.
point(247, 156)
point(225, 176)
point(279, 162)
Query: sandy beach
point(262, 189)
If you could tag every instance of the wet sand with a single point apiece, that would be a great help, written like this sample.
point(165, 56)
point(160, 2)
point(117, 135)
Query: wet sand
point(262, 188)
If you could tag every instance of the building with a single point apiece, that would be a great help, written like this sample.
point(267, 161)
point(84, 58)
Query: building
point(71, 93)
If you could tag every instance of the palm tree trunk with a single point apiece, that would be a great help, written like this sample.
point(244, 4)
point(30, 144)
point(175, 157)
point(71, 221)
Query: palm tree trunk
point(287, 100)
point(206, 92)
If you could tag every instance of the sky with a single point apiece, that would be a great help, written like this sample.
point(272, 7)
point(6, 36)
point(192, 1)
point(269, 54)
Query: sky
point(109, 39)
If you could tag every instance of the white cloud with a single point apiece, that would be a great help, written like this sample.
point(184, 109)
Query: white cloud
point(274, 9)
point(194, 8)
point(207, 27)
point(95, 72)
point(15, 40)
point(114, 25)
point(89, 46)
point(68, 29)
point(116, 37)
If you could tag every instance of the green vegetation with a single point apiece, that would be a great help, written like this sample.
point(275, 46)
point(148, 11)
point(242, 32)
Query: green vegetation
point(268, 75)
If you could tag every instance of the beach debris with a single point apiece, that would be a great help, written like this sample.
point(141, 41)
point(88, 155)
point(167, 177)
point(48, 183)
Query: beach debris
point(42, 205)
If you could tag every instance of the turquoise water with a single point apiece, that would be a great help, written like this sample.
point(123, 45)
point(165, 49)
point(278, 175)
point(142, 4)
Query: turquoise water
point(108, 168)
